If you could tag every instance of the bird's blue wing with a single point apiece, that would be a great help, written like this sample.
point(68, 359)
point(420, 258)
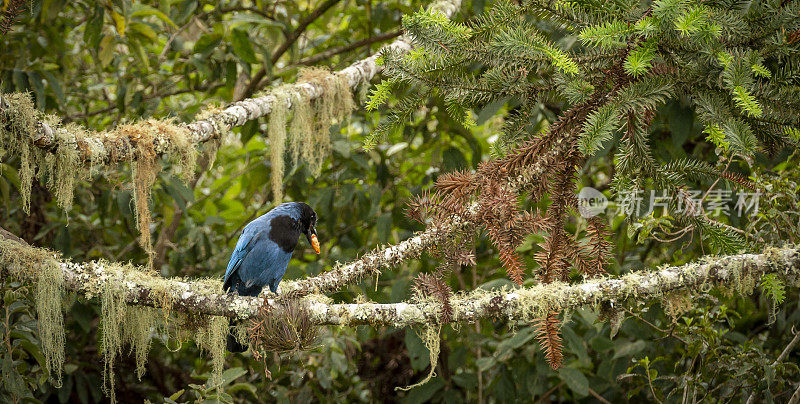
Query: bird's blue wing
point(248, 240)
point(265, 265)
point(257, 260)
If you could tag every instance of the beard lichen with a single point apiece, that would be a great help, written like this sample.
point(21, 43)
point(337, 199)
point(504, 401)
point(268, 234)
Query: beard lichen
point(25, 263)
point(301, 130)
point(309, 130)
point(140, 323)
point(431, 338)
point(18, 124)
point(49, 293)
point(210, 337)
point(62, 165)
point(276, 133)
point(146, 166)
point(333, 107)
point(112, 312)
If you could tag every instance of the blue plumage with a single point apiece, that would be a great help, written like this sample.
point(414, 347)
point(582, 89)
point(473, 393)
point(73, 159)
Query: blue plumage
point(264, 250)
point(258, 261)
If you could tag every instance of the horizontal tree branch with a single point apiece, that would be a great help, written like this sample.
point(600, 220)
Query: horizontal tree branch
point(234, 115)
point(206, 297)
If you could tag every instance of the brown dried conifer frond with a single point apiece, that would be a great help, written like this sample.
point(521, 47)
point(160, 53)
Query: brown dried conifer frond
point(460, 183)
point(455, 190)
point(566, 128)
point(514, 267)
point(14, 8)
point(600, 248)
point(739, 179)
point(421, 207)
point(547, 333)
point(553, 259)
point(530, 222)
point(434, 285)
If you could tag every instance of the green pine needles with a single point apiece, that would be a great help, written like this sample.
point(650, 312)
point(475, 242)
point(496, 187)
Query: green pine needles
point(734, 64)
point(609, 71)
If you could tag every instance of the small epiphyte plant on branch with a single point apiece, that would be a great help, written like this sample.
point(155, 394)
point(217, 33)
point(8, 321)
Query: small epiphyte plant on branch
point(733, 63)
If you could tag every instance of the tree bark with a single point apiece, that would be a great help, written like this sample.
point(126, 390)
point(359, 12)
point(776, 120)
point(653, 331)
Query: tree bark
point(206, 297)
point(236, 114)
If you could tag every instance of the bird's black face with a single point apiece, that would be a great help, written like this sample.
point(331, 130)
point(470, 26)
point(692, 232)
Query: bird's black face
point(308, 223)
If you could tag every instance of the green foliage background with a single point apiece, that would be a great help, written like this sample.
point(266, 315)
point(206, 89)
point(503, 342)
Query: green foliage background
point(105, 63)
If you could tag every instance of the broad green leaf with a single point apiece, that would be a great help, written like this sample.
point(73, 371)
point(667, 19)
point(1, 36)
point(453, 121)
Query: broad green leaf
point(119, 22)
point(145, 10)
point(575, 380)
point(242, 46)
point(106, 53)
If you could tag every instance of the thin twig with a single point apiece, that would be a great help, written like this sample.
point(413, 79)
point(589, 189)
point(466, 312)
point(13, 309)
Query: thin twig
point(549, 392)
point(290, 40)
point(598, 396)
point(780, 359)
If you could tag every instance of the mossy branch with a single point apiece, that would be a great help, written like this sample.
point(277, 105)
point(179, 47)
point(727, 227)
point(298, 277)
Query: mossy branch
point(94, 150)
point(205, 297)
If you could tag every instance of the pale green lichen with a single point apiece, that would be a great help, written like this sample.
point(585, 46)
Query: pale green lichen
point(61, 167)
point(18, 118)
point(48, 297)
point(309, 131)
point(112, 312)
point(276, 133)
point(38, 265)
point(145, 165)
point(211, 339)
point(301, 129)
point(139, 325)
point(120, 323)
point(431, 338)
point(64, 165)
point(333, 107)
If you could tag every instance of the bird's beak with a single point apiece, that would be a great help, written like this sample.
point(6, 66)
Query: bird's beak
point(312, 238)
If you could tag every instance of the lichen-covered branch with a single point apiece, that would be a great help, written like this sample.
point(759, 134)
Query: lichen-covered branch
point(93, 149)
point(738, 271)
point(371, 263)
point(205, 296)
point(391, 256)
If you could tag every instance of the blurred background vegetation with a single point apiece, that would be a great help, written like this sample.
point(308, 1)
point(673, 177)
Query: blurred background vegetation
point(102, 63)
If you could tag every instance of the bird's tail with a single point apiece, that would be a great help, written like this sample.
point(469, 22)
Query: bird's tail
point(232, 342)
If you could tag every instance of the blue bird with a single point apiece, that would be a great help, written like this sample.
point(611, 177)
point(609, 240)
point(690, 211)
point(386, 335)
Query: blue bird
point(264, 250)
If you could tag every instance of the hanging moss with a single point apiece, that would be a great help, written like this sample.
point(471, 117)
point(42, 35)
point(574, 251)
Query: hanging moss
point(112, 312)
point(276, 133)
point(431, 338)
point(64, 167)
point(211, 339)
point(60, 168)
point(145, 165)
point(49, 293)
point(333, 107)
point(145, 169)
point(24, 263)
point(301, 130)
point(17, 125)
point(139, 325)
